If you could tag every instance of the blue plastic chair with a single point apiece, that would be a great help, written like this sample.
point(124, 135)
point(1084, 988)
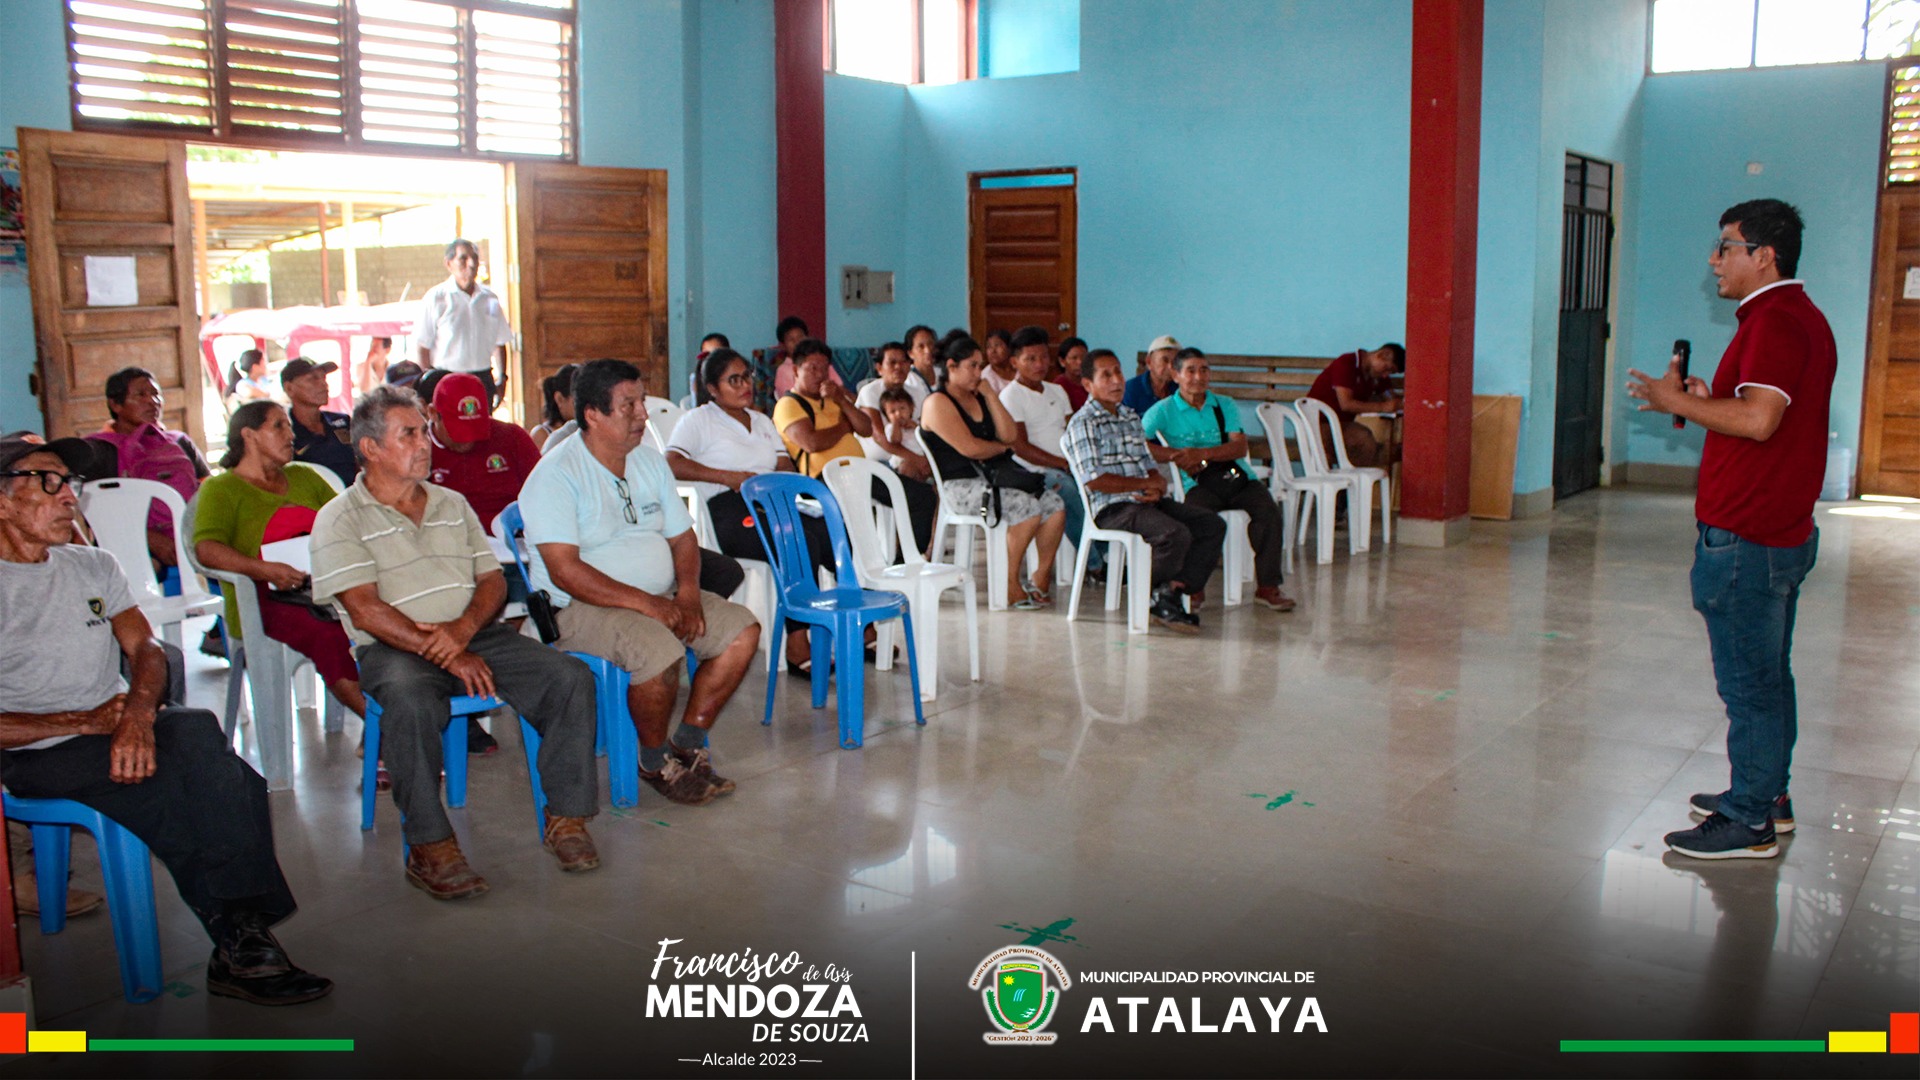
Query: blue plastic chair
point(841, 613)
point(614, 737)
point(454, 751)
point(127, 866)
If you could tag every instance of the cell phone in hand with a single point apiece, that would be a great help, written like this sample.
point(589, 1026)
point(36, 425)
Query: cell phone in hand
point(1683, 352)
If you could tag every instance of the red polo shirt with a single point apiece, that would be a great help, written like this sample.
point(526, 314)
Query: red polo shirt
point(490, 474)
point(1345, 371)
point(1764, 491)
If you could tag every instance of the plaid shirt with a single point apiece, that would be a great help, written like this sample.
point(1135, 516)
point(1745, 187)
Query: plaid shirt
point(1101, 443)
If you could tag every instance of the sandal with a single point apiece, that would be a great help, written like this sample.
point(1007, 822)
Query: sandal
point(1026, 603)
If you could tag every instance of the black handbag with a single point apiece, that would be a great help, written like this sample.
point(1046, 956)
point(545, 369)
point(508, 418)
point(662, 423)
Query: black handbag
point(1224, 480)
point(301, 597)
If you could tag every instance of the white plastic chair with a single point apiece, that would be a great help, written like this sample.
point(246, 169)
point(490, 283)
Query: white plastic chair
point(1236, 555)
point(1365, 479)
point(116, 510)
point(851, 480)
point(269, 669)
point(662, 417)
point(1293, 492)
point(1127, 553)
point(757, 591)
point(961, 521)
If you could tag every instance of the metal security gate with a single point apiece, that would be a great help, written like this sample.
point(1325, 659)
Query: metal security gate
point(1586, 262)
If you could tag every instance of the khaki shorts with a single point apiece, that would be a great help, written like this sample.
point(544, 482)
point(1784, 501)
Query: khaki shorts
point(644, 646)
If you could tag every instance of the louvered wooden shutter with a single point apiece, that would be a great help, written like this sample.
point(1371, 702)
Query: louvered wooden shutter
point(143, 62)
point(523, 97)
point(1903, 125)
point(410, 72)
point(285, 62)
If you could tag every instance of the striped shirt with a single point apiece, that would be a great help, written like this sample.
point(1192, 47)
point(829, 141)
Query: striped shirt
point(427, 571)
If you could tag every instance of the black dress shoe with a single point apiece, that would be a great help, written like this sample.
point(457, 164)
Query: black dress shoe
point(290, 987)
point(249, 949)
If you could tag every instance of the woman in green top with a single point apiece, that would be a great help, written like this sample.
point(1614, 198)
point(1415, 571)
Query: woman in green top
point(233, 511)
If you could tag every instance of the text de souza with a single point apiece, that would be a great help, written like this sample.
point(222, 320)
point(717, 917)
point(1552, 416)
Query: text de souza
point(789, 1000)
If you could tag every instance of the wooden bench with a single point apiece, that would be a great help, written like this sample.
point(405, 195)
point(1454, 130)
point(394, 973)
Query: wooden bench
point(1263, 378)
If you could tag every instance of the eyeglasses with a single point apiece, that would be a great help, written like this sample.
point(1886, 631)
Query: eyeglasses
point(1720, 247)
point(51, 482)
point(626, 496)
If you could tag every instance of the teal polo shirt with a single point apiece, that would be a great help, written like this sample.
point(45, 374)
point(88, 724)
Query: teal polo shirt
point(1185, 427)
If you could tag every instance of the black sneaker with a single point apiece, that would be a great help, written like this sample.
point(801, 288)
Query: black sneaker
point(478, 740)
point(700, 764)
point(1706, 803)
point(1167, 610)
point(1721, 837)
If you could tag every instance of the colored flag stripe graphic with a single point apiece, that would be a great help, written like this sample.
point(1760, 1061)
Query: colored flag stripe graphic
point(16, 1039)
point(1901, 1037)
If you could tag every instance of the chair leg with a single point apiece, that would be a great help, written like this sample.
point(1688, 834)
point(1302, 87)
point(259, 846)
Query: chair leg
point(973, 629)
point(127, 866)
point(370, 765)
point(1073, 602)
point(530, 741)
point(852, 706)
point(52, 859)
point(773, 671)
point(913, 668)
point(623, 742)
point(1117, 582)
point(454, 754)
point(1360, 517)
point(820, 650)
point(236, 685)
point(1386, 511)
point(927, 599)
point(996, 541)
point(1139, 584)
point(1323, 517)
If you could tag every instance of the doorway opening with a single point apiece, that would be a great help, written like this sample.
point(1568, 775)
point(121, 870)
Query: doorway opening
point(1586, 270)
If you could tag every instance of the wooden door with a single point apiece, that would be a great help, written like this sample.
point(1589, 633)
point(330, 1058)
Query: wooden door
point(1890, 410)
point(109, 197)
point(1021, 257)
point(589, 271)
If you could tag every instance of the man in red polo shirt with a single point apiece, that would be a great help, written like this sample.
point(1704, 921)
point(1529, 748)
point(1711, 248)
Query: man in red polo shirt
point(485, 460)
point(1361, 382)
point(1760, 472)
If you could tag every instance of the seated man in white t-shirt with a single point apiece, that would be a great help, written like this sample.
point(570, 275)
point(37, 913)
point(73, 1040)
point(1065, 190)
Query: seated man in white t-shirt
point(1040, 411)
point(614, 549)
point(894, 369)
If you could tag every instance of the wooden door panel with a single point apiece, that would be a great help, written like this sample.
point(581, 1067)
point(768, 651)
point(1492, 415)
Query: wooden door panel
point(1022, 258)
point(590, 257)
point(1890, 407)
point(109, 195)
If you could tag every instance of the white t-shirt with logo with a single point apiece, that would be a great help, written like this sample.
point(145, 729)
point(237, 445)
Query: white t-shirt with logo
point(461, 330)
point(59, 652)
point(1045, 412)
point(708, 436)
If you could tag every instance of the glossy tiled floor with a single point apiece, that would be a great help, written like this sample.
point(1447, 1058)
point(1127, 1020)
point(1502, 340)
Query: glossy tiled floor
point(1440, 787)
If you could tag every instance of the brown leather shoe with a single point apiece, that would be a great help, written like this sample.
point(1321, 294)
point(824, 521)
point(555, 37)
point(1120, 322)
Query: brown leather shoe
point(700, 763)
point(567, 838)
point(26, 898)
point(679, 783)
point(1273, 598)
point(440, 870)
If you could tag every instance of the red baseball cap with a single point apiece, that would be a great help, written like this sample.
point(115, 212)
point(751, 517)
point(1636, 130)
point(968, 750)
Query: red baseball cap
point(461, 402)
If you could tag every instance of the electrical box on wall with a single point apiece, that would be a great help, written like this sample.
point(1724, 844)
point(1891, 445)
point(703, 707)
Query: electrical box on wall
point(853, 286)
point(860, 287)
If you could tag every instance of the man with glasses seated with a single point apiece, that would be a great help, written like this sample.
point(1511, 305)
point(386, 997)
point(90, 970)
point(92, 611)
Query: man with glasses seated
point(614, 550)
point(409, 564)
point(71, 727)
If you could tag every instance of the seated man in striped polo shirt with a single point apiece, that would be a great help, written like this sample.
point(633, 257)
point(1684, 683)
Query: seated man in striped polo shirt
point(410, 566)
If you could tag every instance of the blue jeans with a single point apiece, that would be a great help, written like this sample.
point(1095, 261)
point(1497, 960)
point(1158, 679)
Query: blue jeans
point(1060, 482)
point(1747, 592)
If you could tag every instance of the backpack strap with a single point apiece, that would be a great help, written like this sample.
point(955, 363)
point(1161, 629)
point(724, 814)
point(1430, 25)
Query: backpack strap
point(805, 407)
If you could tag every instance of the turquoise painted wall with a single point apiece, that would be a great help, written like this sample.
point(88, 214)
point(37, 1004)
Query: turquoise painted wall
point(1557, 78)
point(866, 203)
point(1028, 37)
point(33, 93)
point(1242, 179)
point(1815, 133)
point(737, 289)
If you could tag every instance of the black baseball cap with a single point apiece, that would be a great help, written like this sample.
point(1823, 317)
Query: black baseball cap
point(301, 366)
point(76, 454)
point(404, 373)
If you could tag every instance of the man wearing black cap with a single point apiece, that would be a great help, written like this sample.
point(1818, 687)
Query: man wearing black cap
point(319, 437)
point(72, 728)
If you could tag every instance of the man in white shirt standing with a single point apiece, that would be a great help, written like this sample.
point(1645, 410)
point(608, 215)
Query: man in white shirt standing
point(463, 324)
point(1040, 411)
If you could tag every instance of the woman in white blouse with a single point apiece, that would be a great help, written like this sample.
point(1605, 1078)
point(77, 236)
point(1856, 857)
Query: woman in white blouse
point(716, 447)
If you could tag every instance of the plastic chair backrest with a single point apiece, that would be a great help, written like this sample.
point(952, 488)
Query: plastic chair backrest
point(773, 500)
point(332, 478)
point(851, 479)
point(1275, 416)
point(512, 528)
point(116, 511)
point(662, 417)
point(1316, 414)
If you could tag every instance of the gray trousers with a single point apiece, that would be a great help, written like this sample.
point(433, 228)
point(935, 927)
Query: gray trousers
point(1185, 539)
point(552, 690)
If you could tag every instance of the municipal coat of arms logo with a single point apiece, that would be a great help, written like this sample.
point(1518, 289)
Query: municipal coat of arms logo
point(1014, 988)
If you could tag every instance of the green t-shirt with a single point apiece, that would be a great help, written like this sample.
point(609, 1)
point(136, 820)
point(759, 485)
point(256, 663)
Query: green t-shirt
point(1185, 427)
point(235, 513)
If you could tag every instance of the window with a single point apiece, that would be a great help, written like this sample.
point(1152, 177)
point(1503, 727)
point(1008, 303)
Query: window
point(485, 78)
point(903, 41)
point(1903, 124)
point(1704, 35)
